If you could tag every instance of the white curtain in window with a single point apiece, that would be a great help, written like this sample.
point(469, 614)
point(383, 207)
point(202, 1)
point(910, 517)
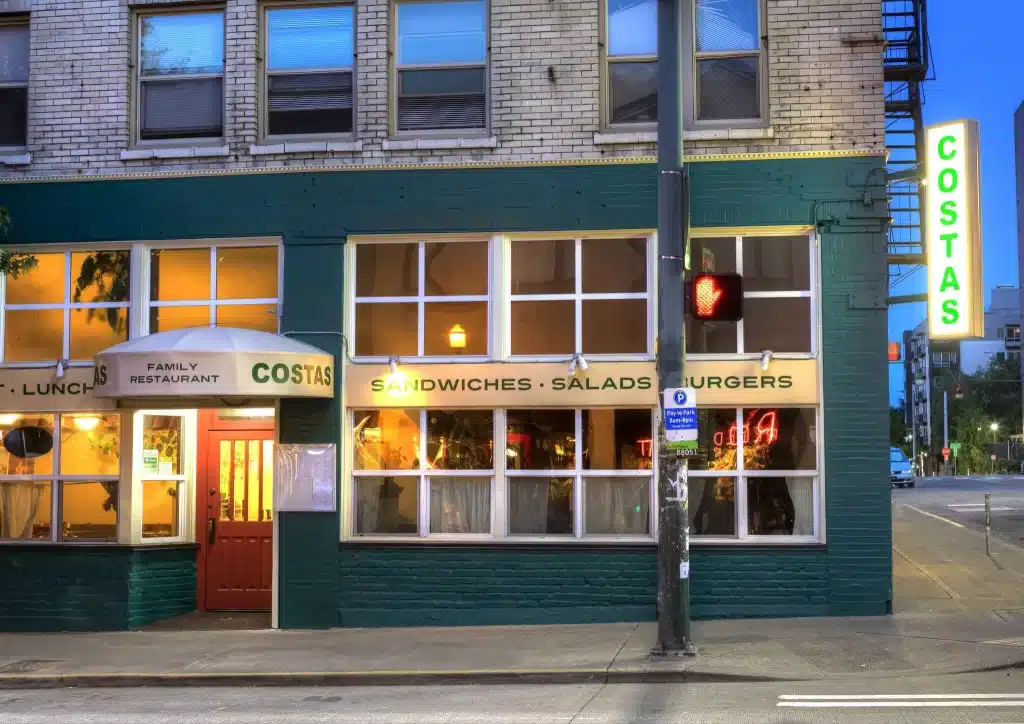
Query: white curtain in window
point(528, 506)
point(19, 504)
point(617, 506)
point(460, 505)
point(801, 491)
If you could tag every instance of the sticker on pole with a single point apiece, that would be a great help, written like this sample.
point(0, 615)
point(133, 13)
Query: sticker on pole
point(680, 406)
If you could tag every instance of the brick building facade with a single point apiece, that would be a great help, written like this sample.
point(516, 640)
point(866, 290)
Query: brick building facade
point(547, 174)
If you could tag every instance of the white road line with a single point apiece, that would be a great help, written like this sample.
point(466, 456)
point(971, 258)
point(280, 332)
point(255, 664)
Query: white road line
point(933, 704)
point(894, 701)
point(932, 515)
point(978, 507)
point(854, 697)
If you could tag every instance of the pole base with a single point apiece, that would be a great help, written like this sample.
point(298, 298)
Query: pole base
point(686, 649)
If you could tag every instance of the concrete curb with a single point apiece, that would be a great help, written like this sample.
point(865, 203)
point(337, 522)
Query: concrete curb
point(438, 678)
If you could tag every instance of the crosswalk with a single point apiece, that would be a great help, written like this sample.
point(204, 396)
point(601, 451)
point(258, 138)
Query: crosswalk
point(898, 701)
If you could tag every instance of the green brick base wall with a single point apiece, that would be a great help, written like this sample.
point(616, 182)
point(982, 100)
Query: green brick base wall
point(436, 586)
point(439, 586)
point(93, 588)
point(162, 583)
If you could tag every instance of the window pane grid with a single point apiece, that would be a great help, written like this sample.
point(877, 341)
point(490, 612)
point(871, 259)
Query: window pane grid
point(538, 262)
point(29, 328)
point(787, 500)
point(430, 310)
point(57, 507)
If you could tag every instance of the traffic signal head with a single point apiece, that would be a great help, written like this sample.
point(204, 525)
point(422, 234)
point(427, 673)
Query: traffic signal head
point(716, 297)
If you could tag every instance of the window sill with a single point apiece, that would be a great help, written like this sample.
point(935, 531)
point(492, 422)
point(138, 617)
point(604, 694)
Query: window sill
point(704, 134)
point(169, 152)
point(621, 137)
point(437, 144)
point(729, 134)
point(270, 148)
point(8, 158)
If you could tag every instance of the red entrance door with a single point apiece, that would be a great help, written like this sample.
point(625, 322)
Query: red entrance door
point(237, 544)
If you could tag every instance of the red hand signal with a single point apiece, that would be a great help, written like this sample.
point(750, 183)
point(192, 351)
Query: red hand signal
point(706, 296)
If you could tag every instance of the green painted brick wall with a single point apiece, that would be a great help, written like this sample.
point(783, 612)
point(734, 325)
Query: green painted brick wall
point(52, 588)
point(314, 212)
point(94, 588)
point(162, 583)
point(437, 586)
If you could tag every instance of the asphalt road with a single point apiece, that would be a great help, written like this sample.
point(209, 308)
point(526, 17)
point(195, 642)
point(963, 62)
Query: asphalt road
point(962, 500)
point(971, 699)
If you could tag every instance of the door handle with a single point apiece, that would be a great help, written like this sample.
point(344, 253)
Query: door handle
point(211, 531)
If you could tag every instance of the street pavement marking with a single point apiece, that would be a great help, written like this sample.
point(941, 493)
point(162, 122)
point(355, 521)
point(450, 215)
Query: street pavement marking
point(932, 515)
point(978, 506)
point(892, 701)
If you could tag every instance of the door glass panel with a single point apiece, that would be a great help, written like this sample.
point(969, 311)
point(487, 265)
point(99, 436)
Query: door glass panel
point(253, 498)
point(225, 480)
point(267, 506)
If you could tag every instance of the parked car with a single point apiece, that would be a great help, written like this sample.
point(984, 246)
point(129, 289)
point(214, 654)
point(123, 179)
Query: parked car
point(901, 470)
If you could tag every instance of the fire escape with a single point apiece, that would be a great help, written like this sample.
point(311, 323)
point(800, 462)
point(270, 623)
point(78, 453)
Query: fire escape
point(905, 29)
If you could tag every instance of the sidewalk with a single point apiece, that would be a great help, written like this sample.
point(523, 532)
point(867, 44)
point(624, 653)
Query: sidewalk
point(748, 650)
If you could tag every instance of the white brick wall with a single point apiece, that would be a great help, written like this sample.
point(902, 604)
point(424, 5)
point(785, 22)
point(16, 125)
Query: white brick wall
point(824, 78)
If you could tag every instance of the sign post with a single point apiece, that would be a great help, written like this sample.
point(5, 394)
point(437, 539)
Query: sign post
point(673, 223)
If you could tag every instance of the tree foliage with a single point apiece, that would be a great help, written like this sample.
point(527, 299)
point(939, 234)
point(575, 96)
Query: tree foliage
point(12, 263)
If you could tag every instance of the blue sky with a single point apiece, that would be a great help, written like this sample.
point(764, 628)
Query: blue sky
point(978, 73)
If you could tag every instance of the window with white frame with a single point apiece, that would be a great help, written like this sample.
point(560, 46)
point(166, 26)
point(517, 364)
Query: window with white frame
point(59, 476)
point(728, 61)
point(180, 75)
point(588, 296)
point(422, 299)
point(631, 54)
point(164, 451)
point(309, 61)
point(69, 305)
point(564, 473)
point(423, 472)
point(14, 60)
point(221, 286)
point(579, 473)
point(779, 305)
point(725, 48)
point(440, 65)
point(756, 474)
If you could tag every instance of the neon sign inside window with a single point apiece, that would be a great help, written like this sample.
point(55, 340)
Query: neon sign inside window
point(765, 430)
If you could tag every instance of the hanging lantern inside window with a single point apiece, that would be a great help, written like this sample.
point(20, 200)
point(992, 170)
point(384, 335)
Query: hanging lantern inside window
point(457, 337)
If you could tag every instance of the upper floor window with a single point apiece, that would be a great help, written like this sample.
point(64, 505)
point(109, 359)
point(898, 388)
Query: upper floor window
point(181, 76)
point(632, 55)
point(70, 305)
point(778, 292)
point(441, 65)
point(727, 56)
point(224, 286)
point(724, 51)
point(422, 299)
point(14, 53)
point(309, 85)
point(586, 296)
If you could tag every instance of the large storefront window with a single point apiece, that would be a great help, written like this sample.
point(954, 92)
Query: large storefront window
point(223, 286)
point(64, 468)
point(586, 296)
point(757, 473)
point(422, 299)
point(564, 473)
point(778, 283)
point(70, 306)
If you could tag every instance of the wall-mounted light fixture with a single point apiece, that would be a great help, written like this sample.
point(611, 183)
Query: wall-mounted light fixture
point(766, 358)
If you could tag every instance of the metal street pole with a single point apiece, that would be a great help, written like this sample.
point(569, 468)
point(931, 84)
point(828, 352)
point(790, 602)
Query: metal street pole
point(673, 220)
point(945, 426)
point(913, 419)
